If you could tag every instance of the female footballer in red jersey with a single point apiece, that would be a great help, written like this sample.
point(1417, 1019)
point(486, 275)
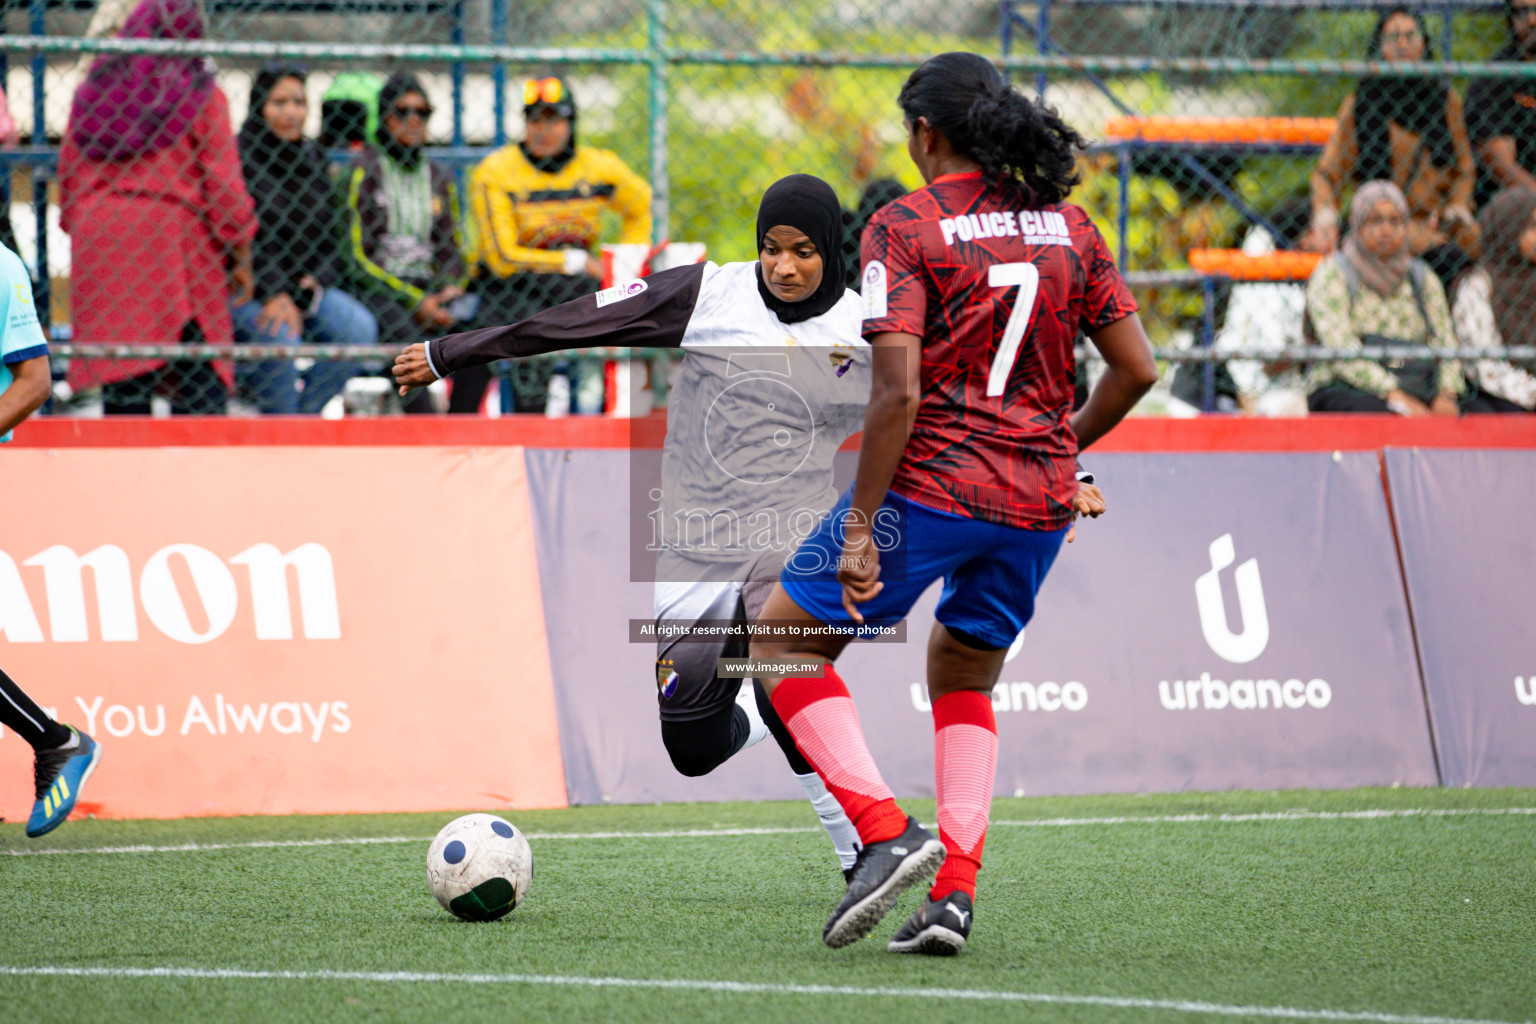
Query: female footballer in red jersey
point(975, 289)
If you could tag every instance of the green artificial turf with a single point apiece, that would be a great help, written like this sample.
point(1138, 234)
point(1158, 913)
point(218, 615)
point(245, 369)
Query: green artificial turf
point(1393, 917)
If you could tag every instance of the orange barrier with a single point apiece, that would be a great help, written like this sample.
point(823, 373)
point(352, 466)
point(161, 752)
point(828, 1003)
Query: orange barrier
point(1228, 130)
point(280, 630)
point(529, 430)
point(1236, 264)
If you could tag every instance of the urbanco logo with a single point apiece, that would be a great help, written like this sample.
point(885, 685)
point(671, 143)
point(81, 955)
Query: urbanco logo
point(1247, 644)
point(1525, 692)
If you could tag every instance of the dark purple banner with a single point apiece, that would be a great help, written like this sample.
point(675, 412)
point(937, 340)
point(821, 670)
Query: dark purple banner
point(605, 686)
point(1464, 520)
point(1235, 621)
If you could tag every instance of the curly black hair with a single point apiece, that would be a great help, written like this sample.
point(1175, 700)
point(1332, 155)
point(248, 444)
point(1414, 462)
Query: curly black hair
point(964, 97)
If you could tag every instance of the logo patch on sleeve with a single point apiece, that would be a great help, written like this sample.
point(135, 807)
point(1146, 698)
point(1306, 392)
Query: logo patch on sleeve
point(619, 293)
point(873, 290)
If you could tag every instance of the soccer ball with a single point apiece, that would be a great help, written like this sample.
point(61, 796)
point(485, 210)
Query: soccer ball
point(479, 867)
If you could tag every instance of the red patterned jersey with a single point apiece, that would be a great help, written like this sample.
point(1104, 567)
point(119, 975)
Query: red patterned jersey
point(998, 292)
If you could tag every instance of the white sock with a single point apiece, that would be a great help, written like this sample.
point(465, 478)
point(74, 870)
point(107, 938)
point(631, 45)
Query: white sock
point(746, 699)
point(845, 838)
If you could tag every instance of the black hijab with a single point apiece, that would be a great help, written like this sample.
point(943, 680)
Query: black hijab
point(808, 204)
point(400, 83)
point(261, 151)
point(1417, 104)
point(294, 195)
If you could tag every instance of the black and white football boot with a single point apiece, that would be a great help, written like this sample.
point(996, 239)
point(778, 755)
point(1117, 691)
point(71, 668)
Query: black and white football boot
point(937, 928)
point(881, 874)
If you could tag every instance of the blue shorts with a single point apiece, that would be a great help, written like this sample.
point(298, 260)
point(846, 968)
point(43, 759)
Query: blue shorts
point(991, 572)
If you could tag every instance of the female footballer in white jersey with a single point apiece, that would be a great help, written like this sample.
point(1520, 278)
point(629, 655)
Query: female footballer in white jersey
point(775, 377)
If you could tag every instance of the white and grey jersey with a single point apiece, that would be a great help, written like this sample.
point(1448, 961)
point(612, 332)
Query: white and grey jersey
point(757, 408)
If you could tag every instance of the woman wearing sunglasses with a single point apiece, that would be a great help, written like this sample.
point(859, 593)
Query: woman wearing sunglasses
point(403, 223)
point(538, 205)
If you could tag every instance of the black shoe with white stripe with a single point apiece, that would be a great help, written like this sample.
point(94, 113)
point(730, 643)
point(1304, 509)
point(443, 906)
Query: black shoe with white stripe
point(882, 873)
point(937, 928)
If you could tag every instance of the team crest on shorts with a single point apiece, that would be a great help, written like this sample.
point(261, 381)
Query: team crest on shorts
point(666, 678)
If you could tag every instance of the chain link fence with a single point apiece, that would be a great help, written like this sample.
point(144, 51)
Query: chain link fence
point(354, 175)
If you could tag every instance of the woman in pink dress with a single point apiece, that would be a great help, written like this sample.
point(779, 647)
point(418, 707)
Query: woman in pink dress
point(159, 217)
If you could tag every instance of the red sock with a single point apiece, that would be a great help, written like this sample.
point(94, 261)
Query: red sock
point(964, 768)
point(820, 715)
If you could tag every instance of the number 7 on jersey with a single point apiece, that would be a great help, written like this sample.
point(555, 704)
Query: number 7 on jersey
point(1025, 277)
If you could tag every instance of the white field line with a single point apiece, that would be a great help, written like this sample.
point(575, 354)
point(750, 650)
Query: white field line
point(739, 988)
point(1181, 819)
point(691, 833)
point(697, 833)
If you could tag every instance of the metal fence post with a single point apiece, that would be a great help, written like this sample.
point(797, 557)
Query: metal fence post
point(499, 70)
point(1123, 169)
point(5, 176)
point(457, 38)
point(1207, 340)
point(38, 10)
point(1043, 38)
point(661, 189)
point(1005, 30)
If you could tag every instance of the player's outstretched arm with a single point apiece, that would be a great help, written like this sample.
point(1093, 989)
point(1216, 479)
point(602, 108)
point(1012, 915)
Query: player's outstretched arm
point(1131, 372)
point(651, 313)
point(31, 383)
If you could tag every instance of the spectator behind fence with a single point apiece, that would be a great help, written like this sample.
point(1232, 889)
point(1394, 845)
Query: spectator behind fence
point(538, 205)
point(403, 222)
point(1501, 112)
point(160, 221)
point(1264, 315)
point(9, 136)
point(1372, 291)
point(1409, 131)
point(877, 195)
point(1496, 304)
point(349, 110)
point(298, 257)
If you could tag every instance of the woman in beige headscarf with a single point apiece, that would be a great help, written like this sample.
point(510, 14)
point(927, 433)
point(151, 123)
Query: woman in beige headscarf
point(1410, 131)
point(1374, 292)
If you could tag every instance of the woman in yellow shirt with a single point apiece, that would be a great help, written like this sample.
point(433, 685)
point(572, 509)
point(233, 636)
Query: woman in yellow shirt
point(538, 206)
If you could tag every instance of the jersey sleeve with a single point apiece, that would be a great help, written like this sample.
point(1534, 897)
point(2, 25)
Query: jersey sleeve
point(650, 313)
point(23, 338)
point(1106, 297)
point(891, 285)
